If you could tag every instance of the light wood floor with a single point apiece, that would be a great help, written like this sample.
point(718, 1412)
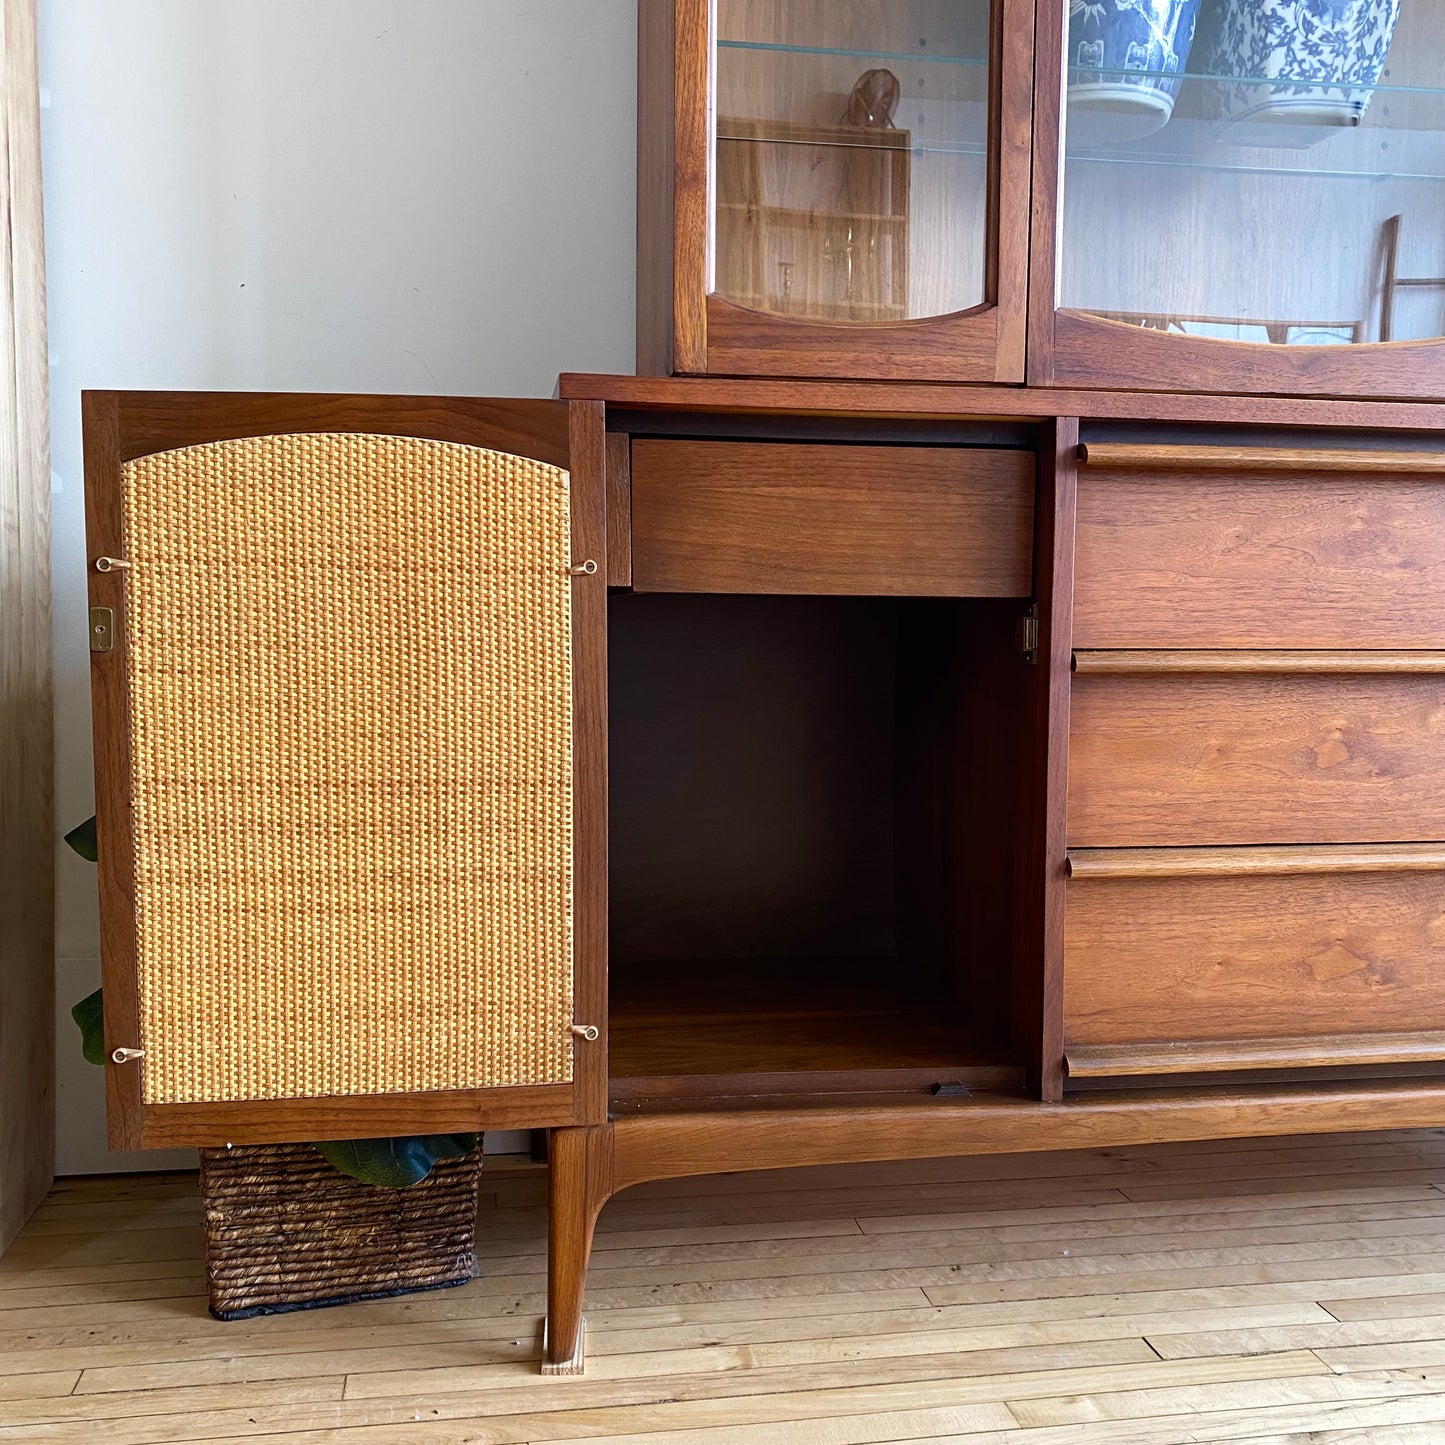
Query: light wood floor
point(1275, 1291)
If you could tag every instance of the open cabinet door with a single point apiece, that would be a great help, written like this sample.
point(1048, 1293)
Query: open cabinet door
point(349, 683)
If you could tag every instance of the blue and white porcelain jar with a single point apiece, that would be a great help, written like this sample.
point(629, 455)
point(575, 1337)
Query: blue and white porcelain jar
point(1124, 61)
point(1296, 62)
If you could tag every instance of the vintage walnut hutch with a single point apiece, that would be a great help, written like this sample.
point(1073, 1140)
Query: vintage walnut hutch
point(1007, 709)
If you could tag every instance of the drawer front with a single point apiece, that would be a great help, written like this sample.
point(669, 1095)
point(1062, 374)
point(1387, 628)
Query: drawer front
point(1178, 759)
point(1180, 560)
point(1194, 964)
point(840, 520)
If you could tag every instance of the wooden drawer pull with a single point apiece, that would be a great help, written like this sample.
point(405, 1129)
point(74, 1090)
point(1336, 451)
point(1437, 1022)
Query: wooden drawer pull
point(1122, 661)
point(1232, 862)
point(1134, 457)
point(1103, 1061)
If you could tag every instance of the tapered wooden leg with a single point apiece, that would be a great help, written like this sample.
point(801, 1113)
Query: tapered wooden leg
point(580, 1184)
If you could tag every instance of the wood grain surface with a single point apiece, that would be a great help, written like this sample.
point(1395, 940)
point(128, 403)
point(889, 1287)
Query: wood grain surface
point(676, 1144)
point(1207, 760)
point(1250, 1290)
point(1228, 662)
point(1259, 561)
point(1279, 862)
point(1249, 957)
point(727, 394)
point(1091, 351)
point(850, 520)
point(619, 509)
point(1424, 1047)
point(1039, 888)
point(1183, 457)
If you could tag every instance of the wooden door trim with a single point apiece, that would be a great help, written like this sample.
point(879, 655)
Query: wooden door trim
point(1040, 886)
point(1045, 204)
point(119, 426)
point(345, 1116)
point(1091, 351)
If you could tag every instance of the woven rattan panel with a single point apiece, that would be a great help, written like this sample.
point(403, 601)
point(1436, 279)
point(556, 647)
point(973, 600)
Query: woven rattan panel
point(350, 672)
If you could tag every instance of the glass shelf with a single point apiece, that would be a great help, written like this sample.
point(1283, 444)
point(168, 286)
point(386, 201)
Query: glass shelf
point(1382, 88)
point(913, 148)
point(1243, 168)
point(899, 56)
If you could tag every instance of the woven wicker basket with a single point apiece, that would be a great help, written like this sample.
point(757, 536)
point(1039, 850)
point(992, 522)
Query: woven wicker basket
point(286, 1231)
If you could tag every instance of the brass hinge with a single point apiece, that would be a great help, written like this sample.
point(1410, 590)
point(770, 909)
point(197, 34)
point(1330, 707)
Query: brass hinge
point(102, 629)
point(1026, 635)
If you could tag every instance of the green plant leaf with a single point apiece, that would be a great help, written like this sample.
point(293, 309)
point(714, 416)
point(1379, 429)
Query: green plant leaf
point(393, 1163)
point(83, 840)
point(90, 1020)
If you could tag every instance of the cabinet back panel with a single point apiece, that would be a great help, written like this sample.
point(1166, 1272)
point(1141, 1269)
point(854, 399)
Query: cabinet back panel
point(1181, 560)
point(752, 786)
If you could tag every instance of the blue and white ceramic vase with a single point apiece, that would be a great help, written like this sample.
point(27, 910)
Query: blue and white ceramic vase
point(1294, 62)
point(1124, 62)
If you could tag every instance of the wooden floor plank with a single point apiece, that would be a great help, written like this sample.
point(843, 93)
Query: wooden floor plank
point(1259, 1291)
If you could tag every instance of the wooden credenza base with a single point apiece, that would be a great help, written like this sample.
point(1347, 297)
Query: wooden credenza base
point(590, 1165)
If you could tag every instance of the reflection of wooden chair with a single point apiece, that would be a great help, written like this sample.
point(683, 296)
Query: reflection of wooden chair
point(1277, 333)
point(1394, 281)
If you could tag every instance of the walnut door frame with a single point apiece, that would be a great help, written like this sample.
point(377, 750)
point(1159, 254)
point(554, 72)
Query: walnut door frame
point(684, 329)
point(1072, 348)
point(122, 426)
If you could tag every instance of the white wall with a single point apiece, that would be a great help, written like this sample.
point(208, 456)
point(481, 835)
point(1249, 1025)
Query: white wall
point(349, 195)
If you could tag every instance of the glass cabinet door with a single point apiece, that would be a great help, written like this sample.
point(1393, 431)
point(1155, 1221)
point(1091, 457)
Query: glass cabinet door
point(851, 158)
point(1268, 173)
point(866, 194)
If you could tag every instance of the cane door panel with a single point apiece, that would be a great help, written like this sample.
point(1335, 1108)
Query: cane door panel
point(349, 763)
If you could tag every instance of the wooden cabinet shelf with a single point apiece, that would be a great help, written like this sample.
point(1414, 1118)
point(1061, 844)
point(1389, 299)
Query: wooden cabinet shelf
point(792, 1027)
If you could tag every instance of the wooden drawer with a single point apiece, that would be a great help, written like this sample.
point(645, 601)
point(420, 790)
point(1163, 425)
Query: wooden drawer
point(1330, 560)
point(844, 520)
point(1224, 959)
point(1167, 757)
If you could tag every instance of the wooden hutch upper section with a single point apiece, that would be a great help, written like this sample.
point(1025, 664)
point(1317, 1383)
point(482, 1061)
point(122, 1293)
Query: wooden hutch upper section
point(1166, 196)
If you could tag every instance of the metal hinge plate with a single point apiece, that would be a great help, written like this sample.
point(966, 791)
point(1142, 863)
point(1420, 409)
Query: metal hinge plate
point(102, 629)
point(1026, 635)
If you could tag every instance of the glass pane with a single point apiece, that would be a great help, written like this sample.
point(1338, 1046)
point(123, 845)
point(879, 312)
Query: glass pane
point(1257, 170)
point(851, 165)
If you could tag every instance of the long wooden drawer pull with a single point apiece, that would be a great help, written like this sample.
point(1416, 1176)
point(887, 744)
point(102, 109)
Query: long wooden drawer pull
point(1126, 661)
point(1232, 862)
point(1141, 457)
